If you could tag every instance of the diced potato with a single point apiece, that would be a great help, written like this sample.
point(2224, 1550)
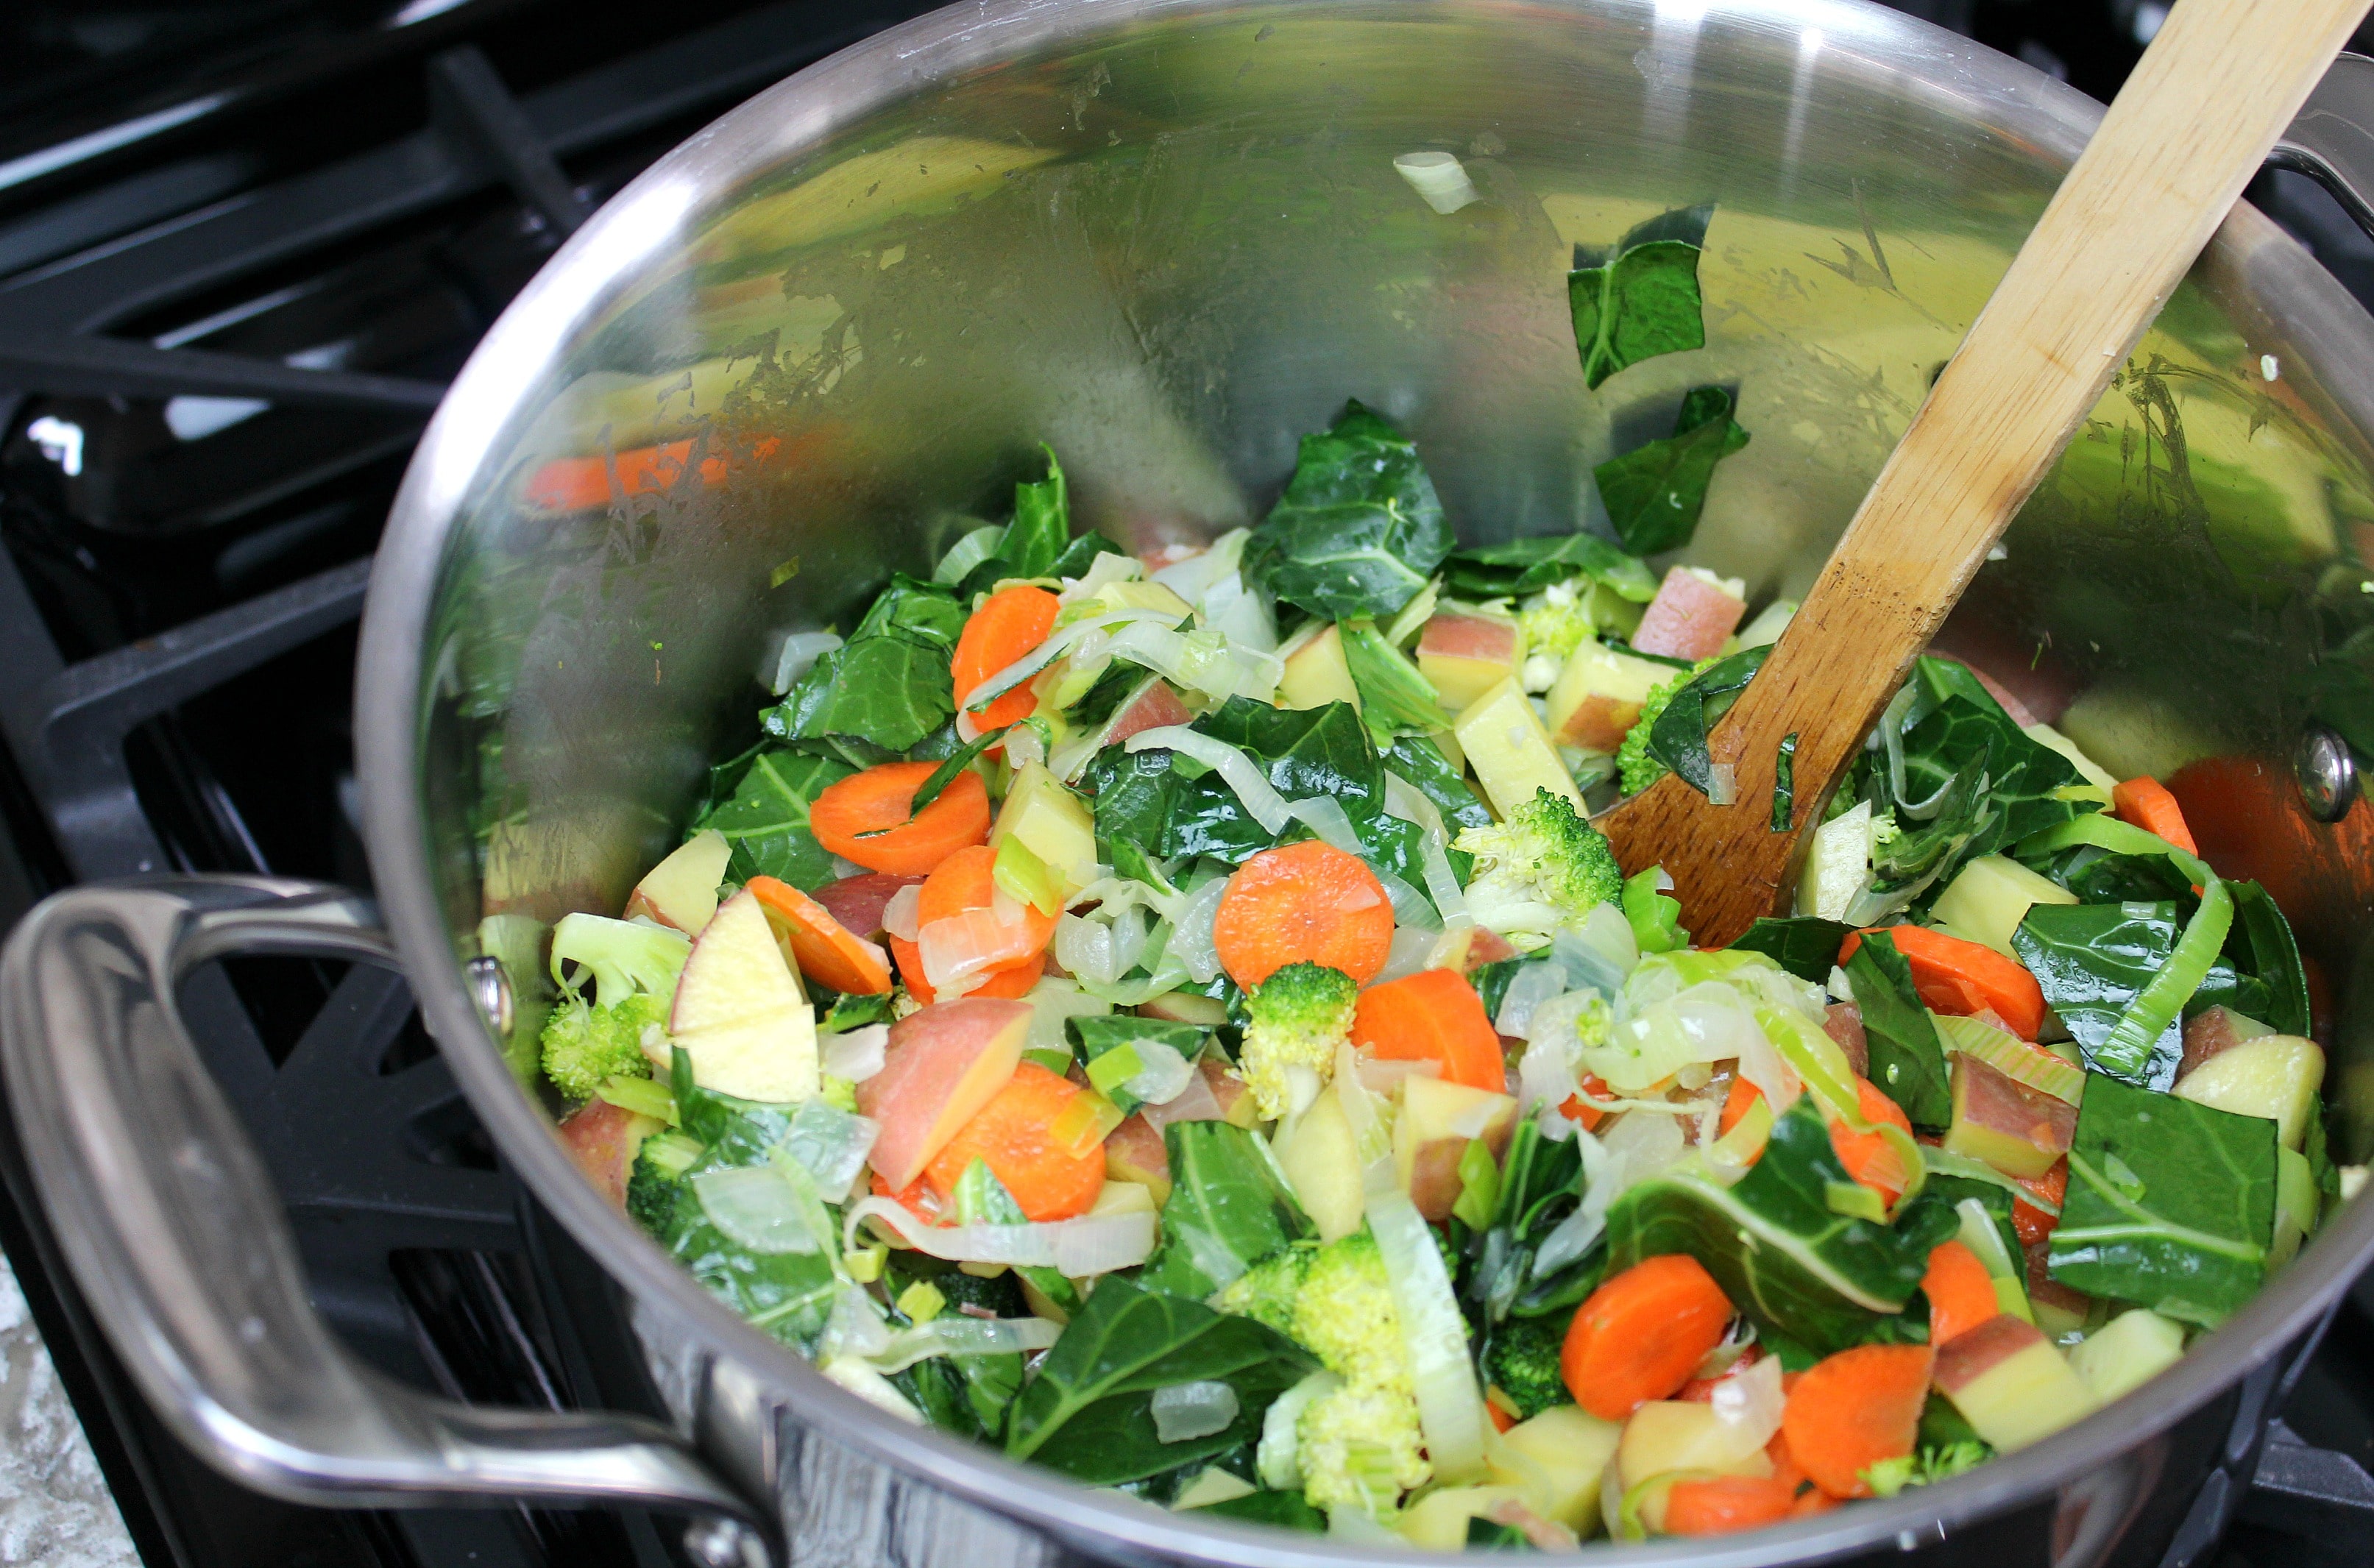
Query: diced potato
point(1509, 751)
point(1186, 1007)
point(2276, 1076)
point(2214, 1031)
point(2130, 733)
point(1837, 864)
point(1599, 694)
point(2018, 1130)
point(1053, 824)
point(1321, 1161)
point(2131, 1349)
point(1557, 1459)
point(1213, 1485)
point(2010, 1383)
point(1439, 1520)
point(1122, 1198)
point(1465, 653)
point(1316, 674)
point(1986, 902)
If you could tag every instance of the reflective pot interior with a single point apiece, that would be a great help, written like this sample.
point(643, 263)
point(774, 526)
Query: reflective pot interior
point(827, 338)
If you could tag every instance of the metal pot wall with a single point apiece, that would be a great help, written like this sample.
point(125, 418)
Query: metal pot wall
point(1167, 238)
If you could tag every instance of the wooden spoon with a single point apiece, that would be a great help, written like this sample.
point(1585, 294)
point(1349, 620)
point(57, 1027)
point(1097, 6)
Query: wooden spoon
point(2194, 121)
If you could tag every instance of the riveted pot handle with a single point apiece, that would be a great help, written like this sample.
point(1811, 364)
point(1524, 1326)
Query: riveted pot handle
point(2332, 138)
point(176, 1237)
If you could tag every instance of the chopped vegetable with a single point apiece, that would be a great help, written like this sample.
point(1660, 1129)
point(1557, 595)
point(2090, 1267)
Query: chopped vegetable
point(2146, 803)
point(866, 818)
point(1014, 1135)
point(1963, 977)
point(827, 951)
point(1433, 1016)
point(1009, 623)
point(1857, 1408)
point(1639, 1336)
point(1307, 903)
point(1298, 1016)
point(1544, 869)
point(1961, 1292)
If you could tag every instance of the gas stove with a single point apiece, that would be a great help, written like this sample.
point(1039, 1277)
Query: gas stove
point(242, 247)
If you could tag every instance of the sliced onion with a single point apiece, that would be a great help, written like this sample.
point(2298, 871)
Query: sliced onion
point(798, 655)
point(1761, 1063)
point(756, 1210)
point(856, 1055)
point(970, 944)
point(1184, 1411)
point(1604, 1179)
point(1585, 964)
point(1411, 950)
point(1650, 1145)
point(1239, 615)
point(1093, 1243)
point(1085, 948)
point(1114, 894)
point(1722, 784)
point(1237, 770)
point(1201, 662)
point(1434, 1338)
point(1194, 1102)
point(832, 1142)
point(1162, 1075)
point(1105, 568)
point(1193, 577)
point(958, 1336)
point(1748, 1406)
point(898, 917)
point(1053, 1003)
point(1191, 942)
point(1531, 986)
point(854, 1327)
point(1129, 933)
point(1405, 801)
point(1090, 636)
point(976, 546)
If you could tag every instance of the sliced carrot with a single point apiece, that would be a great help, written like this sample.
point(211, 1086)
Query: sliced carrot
point(1015, 1134)
point(1588, 1116)
point(1855, 1409)
point(2034, 1223)
point(1868, 1157)
point(1737, 1104)
point(2146, 803)
point(916, 1198)
point(1810, 1502)
point(1433, 1016)
point(1961, 1292)
point(1640, 1335)
point(825, 949)
point(1963, 977)
point(1501, 1420)
point(1785, 1468)
point(1715, 1505)
point(866, 818)
point(1307, 903)
point(964, 882)
point(1009, 623)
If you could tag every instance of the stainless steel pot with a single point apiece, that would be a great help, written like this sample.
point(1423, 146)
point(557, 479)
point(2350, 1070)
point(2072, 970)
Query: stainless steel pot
point(1167, 237)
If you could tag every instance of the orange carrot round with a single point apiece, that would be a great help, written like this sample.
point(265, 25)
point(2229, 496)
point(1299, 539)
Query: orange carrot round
point(1014, 980)
point(1737, 1104)
point(1014, 1133)
point(1963, 977)
point(1961, 1293)
point(1855, 1410)
point(965, 881)
point(1714, 1505)
point(1307, 903)
point(1008, 625)
point(1433, 1016)
point(827, 952)
point(1868, 1157)
point(2034, 1223)
point(2147, 804)
point(1640, 1335)
point(903, 843)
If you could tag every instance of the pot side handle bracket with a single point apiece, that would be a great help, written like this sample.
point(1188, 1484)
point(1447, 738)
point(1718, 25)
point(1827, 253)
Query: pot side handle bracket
point(177, 1240)
point(2332, 138)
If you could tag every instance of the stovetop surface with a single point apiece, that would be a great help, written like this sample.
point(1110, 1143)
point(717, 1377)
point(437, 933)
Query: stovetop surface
point(242, 246)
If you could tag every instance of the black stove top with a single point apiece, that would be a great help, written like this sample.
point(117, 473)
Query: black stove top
point(242, 246)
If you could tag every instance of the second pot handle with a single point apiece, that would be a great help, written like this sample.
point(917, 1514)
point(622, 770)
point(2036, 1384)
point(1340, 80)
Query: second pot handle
point(2332, 138)
point(174, 1234)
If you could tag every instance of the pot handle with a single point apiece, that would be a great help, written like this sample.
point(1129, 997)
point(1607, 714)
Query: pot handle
point(2332, 138)
point(175, 1236)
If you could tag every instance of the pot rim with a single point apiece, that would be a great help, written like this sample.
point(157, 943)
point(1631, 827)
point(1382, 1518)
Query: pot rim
point(600, 261)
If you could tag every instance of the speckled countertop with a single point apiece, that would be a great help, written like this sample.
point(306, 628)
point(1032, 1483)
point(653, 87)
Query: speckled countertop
point(55, 1508)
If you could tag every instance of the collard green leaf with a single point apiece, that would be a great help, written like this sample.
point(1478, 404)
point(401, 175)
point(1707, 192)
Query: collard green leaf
point(2170, 1204)
point(1784, 783)
point(1229, 1207)
point(1908, 1061)
point(980, 1199)
point(1528, 565)
point(1041, 525)
point(2262, 946)
point(1395, 699)
point(1655, 493)
point(2101, 876)
point(965, 1395)
point(1093, 1036)
point(1284, 1510)
point(1642, 298)
point(1953, 1190)
point(1159, 799)
point(1359, 529)
point(1795, 1268)
point(888, 686)
point(766, 821)
point(1081, 553)
point(1421, 764)
point(1973, 783)
point(2090, 960)
point(1088, 1410)
point(1677, 737)
point(1805, 945)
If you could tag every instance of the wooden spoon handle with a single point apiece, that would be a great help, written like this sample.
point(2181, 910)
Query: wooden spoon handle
point(2194, 121)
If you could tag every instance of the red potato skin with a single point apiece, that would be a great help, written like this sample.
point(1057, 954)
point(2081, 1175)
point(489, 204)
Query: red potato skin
point(1136, 1149)
point(1599, 724)
point(1688, 619)
point(1156, 707)
point(2043, 1287)
point(920, 1068)
point(1434, 1177)
point(2207, 1034)
point(2007, 1105)
point(601, 1140)
point(1483, 637)
point(857, 901)
point(1843, 1024)
point(1970, 1355)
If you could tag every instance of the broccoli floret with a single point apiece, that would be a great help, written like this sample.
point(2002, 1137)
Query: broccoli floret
point(1360, 1447)
point(1265, 1291)
point(1543, 868)
point(1523, 1363)
point(651, 1196)
point(585, 1043)
point(1636, 769)
point(1926, 1467)
point(624, 957)
point(1557, 620)
point(1296, 1019)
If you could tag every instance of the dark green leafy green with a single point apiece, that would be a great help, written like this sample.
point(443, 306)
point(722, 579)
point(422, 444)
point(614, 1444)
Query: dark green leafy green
point(1088, 1411)
point(1284, 1510)
point(980, 1199)
point(965, 1395)
point(1640, 298)
point(1908, 1061)
point(1421, 764)
point(1229, 1207)
point(2102, 876)
point(1359, 529)
point(2091, 960)
point(1527, 566)
point(2316, 1150)
point(766, 819)
point(1395, 700)
point(1678, 735)
point(1805, 945)
point(940, 778)
point(1093, 1036)
point(1036, 542)
point(2262, 947)
point(1081, 553)
point(1491, 981)
point(2170, 1204)
point(1996, 1198)
point(1161, 800)
point(855, 1012)
point(1541, 1182)
point(888, 686)
point(1795, 1268)
point(1784, 783)
point(1655, 492)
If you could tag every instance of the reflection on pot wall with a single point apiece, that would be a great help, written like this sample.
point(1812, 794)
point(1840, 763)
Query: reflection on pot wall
point(1169, 255)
